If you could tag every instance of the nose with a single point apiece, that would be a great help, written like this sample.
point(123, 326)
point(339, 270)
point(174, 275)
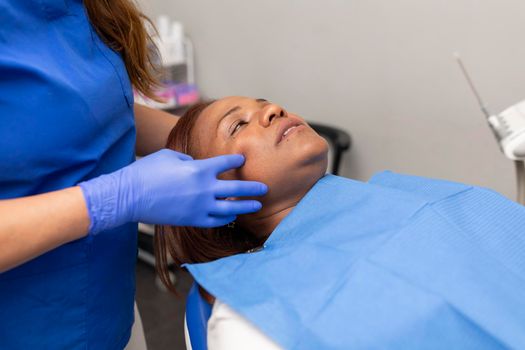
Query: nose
point(270, 113)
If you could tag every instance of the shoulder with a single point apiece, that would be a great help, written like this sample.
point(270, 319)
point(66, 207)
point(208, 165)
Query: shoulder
point(227, 330)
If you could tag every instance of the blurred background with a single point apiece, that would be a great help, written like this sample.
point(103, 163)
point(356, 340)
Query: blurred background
point(381, 70)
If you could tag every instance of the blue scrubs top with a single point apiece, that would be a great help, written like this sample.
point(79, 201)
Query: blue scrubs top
point(66, 115)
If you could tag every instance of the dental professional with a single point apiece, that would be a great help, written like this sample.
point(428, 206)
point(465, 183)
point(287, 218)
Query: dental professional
point(70, 191)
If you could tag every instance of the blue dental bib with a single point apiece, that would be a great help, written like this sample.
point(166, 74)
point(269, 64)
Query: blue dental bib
point(401, 262)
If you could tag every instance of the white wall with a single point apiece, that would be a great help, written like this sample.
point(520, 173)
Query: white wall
point(382, 69)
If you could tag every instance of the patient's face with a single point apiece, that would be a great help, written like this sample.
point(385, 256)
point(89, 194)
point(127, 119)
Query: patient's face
point(281, 150)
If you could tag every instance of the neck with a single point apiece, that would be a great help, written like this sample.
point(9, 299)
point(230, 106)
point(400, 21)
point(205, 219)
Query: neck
point(274, 210)
point(263, 226)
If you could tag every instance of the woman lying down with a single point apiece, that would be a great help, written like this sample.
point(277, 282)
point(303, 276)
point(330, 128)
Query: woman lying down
point(400, 262)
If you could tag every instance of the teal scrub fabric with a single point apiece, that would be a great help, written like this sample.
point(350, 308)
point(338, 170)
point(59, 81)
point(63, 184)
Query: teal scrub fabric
point(401, 262)
point(66, 115)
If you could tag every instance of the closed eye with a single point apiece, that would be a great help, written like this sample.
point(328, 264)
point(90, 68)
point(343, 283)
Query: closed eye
point(237, 126)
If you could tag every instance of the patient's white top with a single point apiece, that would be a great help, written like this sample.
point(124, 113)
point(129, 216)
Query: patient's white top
point(227, 330)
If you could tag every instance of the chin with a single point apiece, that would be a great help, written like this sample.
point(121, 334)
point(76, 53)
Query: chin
point(310, 165)
point(314, 152)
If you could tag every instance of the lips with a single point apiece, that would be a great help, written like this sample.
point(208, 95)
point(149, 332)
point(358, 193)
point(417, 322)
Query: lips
point(285, 127)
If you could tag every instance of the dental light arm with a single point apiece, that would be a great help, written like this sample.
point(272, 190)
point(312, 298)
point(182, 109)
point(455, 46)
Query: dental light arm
point(509, 129)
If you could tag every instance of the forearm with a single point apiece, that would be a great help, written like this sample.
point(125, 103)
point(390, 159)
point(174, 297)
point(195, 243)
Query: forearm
point(153, 128)
point(31, 226)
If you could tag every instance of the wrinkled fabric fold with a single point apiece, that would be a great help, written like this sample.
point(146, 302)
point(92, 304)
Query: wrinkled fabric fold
point(398, 262)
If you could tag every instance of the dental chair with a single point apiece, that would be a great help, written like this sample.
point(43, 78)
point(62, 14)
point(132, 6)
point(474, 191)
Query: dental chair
point(198, 310)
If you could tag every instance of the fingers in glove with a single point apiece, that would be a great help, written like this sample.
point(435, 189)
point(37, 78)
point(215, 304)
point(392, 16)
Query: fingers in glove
point(221, 164)
point(238, 188)
point(235, 207)
point(217, 221)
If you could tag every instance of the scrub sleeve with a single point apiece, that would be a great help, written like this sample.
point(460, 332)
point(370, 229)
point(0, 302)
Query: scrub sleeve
point(66, 116)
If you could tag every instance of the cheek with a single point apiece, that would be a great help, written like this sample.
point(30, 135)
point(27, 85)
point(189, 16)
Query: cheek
point(258, 153)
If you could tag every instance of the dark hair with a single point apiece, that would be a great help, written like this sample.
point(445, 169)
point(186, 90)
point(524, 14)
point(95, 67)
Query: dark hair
point(121, 26)
point(190, 244)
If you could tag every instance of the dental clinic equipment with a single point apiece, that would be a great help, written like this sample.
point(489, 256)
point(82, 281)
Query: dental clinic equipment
point(508, 128)
point(177, 73)
point(170, 41)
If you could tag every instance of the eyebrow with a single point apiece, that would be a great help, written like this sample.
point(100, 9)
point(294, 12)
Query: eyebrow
point(235, 109)
point(232, 110)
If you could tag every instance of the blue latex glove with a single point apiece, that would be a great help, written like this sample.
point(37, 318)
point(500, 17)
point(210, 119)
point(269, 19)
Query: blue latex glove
point(170, 188)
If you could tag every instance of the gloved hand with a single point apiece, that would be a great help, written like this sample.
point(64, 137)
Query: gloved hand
point(170, 188)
